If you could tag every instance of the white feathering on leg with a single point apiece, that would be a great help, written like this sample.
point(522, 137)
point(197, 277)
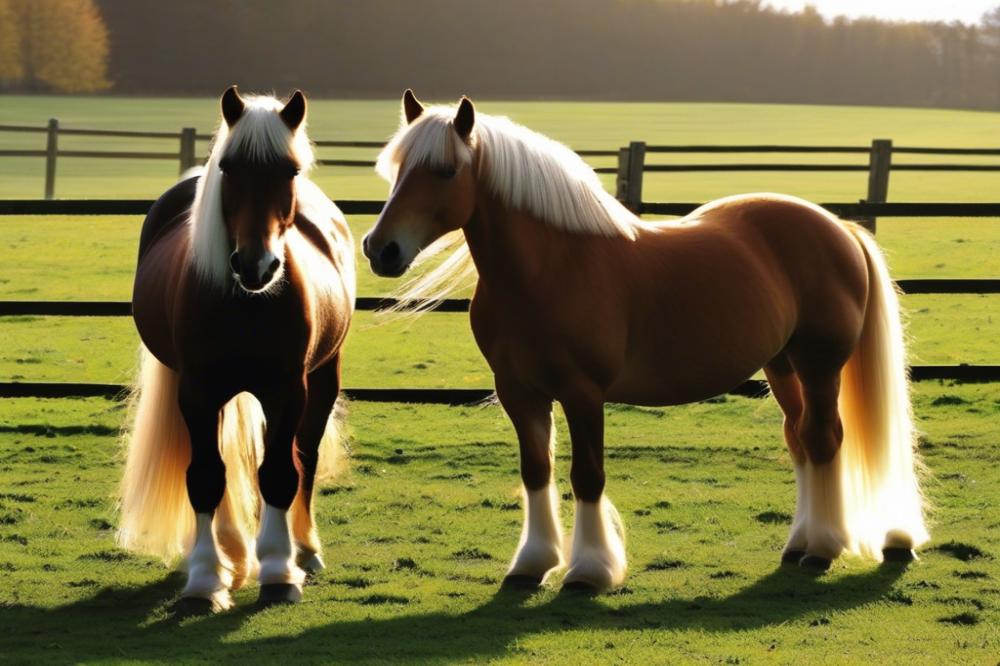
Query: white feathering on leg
point(207, 575)
point(275, 551)
point(540, 548)
point(598, 557)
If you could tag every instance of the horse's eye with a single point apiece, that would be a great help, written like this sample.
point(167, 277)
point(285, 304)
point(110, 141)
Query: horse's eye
point(446, 172)
point(224, 166)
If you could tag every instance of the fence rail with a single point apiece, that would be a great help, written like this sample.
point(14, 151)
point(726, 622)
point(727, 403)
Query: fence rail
point(846, 210)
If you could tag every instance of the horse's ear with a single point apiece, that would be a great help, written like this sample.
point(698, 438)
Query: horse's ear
point(465, 118)
point(294, 111)
point(412, 108)
point(232, 105)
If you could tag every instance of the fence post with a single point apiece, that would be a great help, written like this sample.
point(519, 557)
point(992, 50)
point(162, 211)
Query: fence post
point(51, 153)
point(621, 178)
point(628, 181)
point(879, 166)
point(188, 159)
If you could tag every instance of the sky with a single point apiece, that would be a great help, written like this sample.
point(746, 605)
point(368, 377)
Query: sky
point(967, 11)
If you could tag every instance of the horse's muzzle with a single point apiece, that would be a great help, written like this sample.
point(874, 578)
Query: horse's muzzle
point(254, 275)
point(386, 261)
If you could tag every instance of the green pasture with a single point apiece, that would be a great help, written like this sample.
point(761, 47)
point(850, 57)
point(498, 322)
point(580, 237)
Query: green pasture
point(418, 531)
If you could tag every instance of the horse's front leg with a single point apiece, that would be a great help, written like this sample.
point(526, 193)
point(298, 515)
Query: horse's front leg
point(324, 386)
point(209, 577)
point(598, 559)
point(280, 577)
point(540, 548)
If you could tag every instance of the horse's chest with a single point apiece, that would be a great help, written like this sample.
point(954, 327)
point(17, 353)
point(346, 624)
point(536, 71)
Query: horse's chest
point(245, 332)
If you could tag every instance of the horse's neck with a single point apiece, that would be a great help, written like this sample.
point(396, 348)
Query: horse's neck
point(512, 248)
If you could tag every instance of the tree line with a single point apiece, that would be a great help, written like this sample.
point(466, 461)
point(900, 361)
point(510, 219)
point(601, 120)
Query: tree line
point(53, 45)
point(669, 50)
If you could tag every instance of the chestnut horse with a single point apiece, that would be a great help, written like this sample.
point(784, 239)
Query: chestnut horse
point(580, 302)
point(244, 287)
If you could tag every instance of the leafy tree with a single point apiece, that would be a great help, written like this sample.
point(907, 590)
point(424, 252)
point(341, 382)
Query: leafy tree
point(11, 62)
point(58, 45)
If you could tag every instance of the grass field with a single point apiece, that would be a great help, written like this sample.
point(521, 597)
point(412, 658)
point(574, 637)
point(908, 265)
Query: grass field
point(419, 530)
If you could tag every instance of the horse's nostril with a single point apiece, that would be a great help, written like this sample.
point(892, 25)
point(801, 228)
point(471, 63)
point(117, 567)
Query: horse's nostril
point(364, 246)
point(390, 253)
point(234, 262)
point(275, 265)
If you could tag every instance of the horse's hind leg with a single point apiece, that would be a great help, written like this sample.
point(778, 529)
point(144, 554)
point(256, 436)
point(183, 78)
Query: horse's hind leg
point(787, 391)
point(598, 558)
point(821, 433)
point(323, 388)
point(540, 548)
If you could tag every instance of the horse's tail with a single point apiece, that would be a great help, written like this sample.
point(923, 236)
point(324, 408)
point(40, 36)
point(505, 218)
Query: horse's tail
point(884, 507)
point(155, 514)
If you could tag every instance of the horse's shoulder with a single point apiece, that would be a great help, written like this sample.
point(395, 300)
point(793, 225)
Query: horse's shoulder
point(167, 212)
point(321, 222)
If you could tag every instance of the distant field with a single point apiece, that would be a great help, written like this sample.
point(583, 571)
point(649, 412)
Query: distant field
point(418, 531)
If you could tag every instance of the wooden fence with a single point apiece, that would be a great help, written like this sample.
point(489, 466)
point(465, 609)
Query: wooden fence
point(862, 210)
point(186, 154)
point(629, 172)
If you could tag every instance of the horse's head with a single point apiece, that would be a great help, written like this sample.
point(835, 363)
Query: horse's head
point(258, 166)
point(429, 164)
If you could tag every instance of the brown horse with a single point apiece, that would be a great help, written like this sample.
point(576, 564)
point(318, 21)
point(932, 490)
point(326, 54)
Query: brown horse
point(580, 302)
point(244, 287)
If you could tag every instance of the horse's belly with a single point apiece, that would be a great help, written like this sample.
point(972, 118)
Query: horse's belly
point(717, 345)
point(661, 380)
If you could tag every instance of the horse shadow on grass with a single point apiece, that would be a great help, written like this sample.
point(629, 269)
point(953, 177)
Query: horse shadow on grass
point(115, 623)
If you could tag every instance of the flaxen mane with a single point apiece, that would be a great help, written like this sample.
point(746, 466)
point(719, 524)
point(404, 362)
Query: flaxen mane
point(526, 170)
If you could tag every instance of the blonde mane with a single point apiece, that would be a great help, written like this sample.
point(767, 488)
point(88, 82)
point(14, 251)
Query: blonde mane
point(527, 171)
point(260, 135)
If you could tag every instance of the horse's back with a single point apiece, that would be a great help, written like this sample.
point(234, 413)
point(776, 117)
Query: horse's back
point(168, 211)
point(814, 252)
point(719, 294)
point(161, 269)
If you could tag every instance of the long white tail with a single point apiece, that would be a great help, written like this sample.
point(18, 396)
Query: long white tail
point(156, 517)
point(882, 502)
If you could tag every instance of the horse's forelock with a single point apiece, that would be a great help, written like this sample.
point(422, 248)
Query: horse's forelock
point(261, 136)
point(428, 141)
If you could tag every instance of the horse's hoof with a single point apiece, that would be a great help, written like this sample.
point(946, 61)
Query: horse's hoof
point(898, 555)
point(580, 587)
point(521, 582)
point(311, 563)
point(195, 607)
point(792, 557)
point(277, 594)
point(815, 563)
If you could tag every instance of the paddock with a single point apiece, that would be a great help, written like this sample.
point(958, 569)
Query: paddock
point(418, 529)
